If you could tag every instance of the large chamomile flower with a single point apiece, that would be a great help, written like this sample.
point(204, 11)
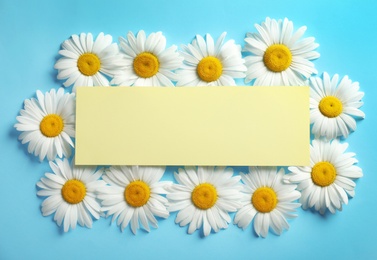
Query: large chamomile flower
point(48, 123)
point(85, 61)
point(267, 200)
point(146, 61)
point(70, 193)
point(333, 106)
point(204, 197)
point(134, 195)
point(327, 182)
point(210, 64)
point(278, 57)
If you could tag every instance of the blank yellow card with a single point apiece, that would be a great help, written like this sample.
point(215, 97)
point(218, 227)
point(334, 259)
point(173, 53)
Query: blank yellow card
point(192, 126)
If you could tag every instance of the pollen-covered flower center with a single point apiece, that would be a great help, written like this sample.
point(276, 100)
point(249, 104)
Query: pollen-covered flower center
point(209, 69)
point(323, 174)
point(146, 65)
point(264, 199)
point(88, 64)
point(73, 191)
point(330, 106)
point(137, 193)
point(204, 196)
point(277, 57)
point(51, 125)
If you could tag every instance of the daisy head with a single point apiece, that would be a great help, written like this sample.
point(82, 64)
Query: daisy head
point(134, 195)
point(334, 105)
point(85, 61)
point(267, 200)
point(70, 193)
point(146, 61)
point(327, 182)
point(278, 57)
point(47, 123)
point(207, 63)
point(204, 197)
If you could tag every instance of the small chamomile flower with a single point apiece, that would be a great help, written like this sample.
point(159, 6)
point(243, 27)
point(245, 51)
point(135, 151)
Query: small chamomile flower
point(207, 63)
point(334, 106)
point(277, 56)
point(267, 200)
point(328, 181)
point(88, 62)
point(204, 197)
point(134, 196)
point(47, 123)
point(71, 194)
point(147, 61)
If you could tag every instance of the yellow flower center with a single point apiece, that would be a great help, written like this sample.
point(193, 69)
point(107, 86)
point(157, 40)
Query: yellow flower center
point(88, 64)
point(73, 191)
point(51, 125)
point(277, 57)
point(146, 65)
point(264, 199)
point(323, 174)
point(204, 196)
point(209, 69)
point(330, 106)
point(137, 193)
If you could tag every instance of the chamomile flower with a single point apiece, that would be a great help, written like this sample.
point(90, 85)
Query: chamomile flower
point(204, 197)
point(147, 62)
point(207, 63)
point(327, 182)
point(278, 57)
point(267, 200)
point(70, 193)
point(48, 123)
point(333, 106)
point(134, 195)
point(85, 61)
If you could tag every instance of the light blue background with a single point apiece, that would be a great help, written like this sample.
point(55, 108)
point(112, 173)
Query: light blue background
point(30, 36)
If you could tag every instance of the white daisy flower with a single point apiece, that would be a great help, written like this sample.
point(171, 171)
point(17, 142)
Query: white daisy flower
point(267, 200)
point(210, 64)
point(204, 197)
point(146, 61)
point(70, 193)
point(86, 62)
point(326, 183)
point(278, 56)
point(134, 195)
point(333, 106)
point(48, 123)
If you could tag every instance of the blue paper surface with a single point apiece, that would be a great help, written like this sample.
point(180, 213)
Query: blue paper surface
point(30, 36)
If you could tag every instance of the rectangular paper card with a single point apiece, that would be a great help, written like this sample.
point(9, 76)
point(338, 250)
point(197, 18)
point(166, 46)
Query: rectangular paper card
point(231, 126)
